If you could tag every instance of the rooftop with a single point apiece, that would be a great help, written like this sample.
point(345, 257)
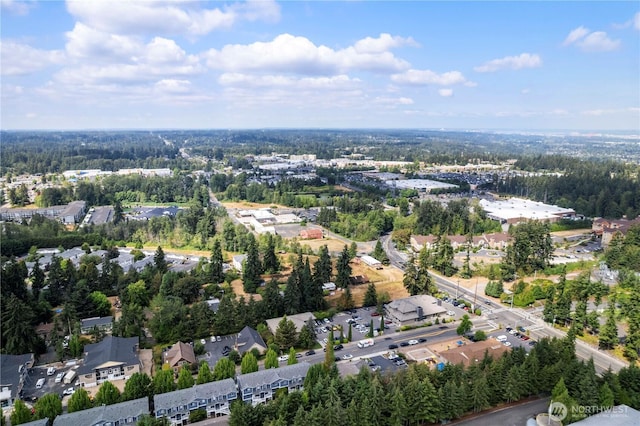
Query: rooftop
point(105, 414)
point(195, 393)
point(272, 375)
point(111, 349)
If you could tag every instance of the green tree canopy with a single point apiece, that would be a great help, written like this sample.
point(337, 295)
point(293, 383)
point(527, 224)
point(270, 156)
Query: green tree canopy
point(79, 401)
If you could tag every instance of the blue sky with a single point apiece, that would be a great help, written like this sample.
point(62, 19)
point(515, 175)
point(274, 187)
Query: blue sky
point(320, 64)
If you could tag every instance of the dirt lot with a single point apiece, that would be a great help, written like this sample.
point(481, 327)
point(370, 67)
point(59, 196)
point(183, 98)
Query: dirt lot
point(246, 205)
point(334, 245)
point(387, 280)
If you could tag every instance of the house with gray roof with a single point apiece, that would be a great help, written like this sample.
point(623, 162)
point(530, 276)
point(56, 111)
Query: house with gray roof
point(414, 309)
point(248, 339)
point(101, 323)
point(123, 413)
point(14, 371)
point(114, 358)
point(260, 387)
point(214, 397)
point(41, 422)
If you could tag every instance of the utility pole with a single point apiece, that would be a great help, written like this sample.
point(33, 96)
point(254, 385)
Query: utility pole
point(475, 295)
point(458, 289)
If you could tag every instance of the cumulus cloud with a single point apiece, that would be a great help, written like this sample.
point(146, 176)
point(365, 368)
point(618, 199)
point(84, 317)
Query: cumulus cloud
point(383, 43)
point(293, 54)
point(445, 93)
point(426, 77)
point(21, 59)
point(588, 41)
point(338, 82)
point(168, 17)
point(524, 60)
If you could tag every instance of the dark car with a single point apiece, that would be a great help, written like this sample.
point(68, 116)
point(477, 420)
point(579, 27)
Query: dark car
point(533, 343)
point(338, 347)
point(311, 352)
point(393, 346)
point(403, 344)
point(422, 340)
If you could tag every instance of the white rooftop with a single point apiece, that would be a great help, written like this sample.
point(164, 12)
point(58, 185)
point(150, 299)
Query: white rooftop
point(419, 184)
point(520, 208)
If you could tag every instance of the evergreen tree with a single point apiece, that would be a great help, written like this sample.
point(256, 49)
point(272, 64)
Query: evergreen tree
point(286, 334)
point(329, 356)
point(216, 273)
point(159, 261)
point(271, 359)
point(249, 363)
point(608, 337)
point(343, 269)
point(17, 332)
point(479, 394)
point(79, 401)
point(346, 301)
point(185, 378)
point(252, 267)
point(371, 296)
point(379, 253)
point(108, 394)
point(272, 301)
point(118, 213)
point(293, 297)
point(322, 269)
point(410, 278)
point(271, 263)
point(204, 373)
point(307, 336)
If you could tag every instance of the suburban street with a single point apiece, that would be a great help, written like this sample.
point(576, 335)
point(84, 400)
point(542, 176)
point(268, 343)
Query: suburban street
point(505, 316)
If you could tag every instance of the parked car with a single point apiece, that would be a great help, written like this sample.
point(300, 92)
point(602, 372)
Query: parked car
point(501, 338)
point(68, 391)
point(413, 342)
point(422, 340)
point(310, 352)
point(507, 344)
point(338, 347)
point(59, 377)
point(403, 344)
point(347, 356)
point(375, 314)
point(393, 346)
point(283, 358)
point(51, 371)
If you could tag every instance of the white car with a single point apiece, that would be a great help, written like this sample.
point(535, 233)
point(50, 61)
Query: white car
point(501, 338)
point(413, 342)
point(347, 356)
point(59, 377)
point(218, 339)
point(51, 371)
point(204, 342)
point(283, 358)
point(68, 391)
point(451, 314)
point(507, 344)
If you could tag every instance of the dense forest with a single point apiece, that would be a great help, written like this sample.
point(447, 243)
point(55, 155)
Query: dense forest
point(421, 395)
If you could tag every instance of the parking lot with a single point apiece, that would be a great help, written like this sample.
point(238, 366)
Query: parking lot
point(360, 320)
point(31, 393)
point(513, 338)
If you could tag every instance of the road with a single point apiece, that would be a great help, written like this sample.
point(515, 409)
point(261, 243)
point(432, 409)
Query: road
point(511, 316)
point(513, 415)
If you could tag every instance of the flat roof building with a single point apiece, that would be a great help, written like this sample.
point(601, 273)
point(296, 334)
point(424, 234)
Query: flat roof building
point(516, 210)
point(414, 309)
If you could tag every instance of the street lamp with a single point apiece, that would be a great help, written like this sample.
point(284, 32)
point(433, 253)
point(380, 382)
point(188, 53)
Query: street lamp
point(458, 289)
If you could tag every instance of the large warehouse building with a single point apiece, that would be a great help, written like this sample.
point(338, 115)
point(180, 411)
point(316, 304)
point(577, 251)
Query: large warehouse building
point(516, 210)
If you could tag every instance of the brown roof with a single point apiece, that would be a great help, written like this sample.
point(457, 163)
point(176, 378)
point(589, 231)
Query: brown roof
point(474, 352)
point(180, 352)
point(311, 233)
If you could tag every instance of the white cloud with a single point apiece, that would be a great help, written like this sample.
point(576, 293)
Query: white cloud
point(636, 21)
point(168, 17)
point(596, 41)
point(338, 82)
point(426, 77)
point(445, 93)
point(21, 7)
point(292, 54)
point(383, 43)
point(21, 59)
point(524, 60)
point(575, 35)
point(87, 42)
